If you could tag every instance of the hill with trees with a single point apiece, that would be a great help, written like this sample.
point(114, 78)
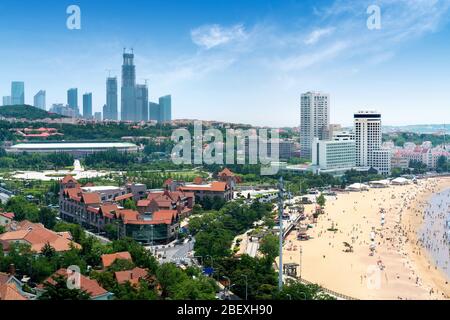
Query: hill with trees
point(26, 112)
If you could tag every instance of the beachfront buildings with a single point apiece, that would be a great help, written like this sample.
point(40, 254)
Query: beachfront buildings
point(212, 190)
point(333, 156)
point(368, 138)
point(78, 149)
point(424, 153)
point(156, 218)
point(314, 120)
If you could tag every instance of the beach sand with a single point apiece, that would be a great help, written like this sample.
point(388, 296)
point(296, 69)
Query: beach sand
point(406, 272)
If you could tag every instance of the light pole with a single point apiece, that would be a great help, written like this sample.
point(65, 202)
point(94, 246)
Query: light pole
point(280, 218)
point(246, 286)
point(226, 291)
point(300, 267)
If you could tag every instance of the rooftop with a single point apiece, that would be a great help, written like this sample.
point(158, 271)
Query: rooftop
point(73, 145)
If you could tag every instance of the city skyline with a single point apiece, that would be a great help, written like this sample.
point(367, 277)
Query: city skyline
point(239, 64)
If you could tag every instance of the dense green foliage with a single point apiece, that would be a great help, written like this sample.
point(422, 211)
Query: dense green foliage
point(26, 112)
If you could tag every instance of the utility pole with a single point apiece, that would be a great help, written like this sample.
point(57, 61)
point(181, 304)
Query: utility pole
point(280, 218)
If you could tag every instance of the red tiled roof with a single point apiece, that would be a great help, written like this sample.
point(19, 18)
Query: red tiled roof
point(8, 215)
point(215, 186)
point(8, 291)
point(91, 198)
point(38, 236)
point(124, 197)
point(86, 284)
point(109, 210)
point(108, 259)
point(133, 276)
point(226, 172)
point(68, 179)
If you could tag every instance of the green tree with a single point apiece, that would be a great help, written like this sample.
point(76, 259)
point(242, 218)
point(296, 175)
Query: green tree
point(47, 217)
point(270, 247)
point(58, 290)
point(169, 276)
point(321, 200)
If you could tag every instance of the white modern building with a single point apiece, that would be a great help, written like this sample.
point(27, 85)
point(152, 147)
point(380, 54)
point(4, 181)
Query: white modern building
point(74, 148)
point(314, 120)
point(333, 156)
point(381, 161)
point(368, 138)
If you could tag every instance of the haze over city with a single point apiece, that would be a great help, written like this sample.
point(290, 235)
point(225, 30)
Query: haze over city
point(239, 61)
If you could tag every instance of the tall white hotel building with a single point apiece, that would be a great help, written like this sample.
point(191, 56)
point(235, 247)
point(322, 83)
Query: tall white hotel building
point(314, 120)
point(368, 137)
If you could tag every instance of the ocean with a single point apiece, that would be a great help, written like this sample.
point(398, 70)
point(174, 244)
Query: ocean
point(435, 231)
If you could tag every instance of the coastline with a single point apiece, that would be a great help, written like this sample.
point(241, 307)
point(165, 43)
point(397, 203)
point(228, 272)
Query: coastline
point(433, 276)
point(406, 271)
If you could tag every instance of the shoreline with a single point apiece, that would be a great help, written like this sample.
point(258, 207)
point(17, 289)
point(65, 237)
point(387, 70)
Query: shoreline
point(419, 255)
point(399, 266)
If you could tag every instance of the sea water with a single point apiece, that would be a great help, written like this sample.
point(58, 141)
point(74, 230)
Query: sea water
point(434, 234)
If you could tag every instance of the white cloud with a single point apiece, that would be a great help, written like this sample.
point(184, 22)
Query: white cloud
point(315, 36)
point(210, 36)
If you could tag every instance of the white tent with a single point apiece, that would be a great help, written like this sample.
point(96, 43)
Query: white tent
point(400, 181)
point(357, 187)
point(379, 184)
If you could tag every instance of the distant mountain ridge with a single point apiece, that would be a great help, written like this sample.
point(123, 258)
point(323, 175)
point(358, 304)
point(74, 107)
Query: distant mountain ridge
point(27, 112)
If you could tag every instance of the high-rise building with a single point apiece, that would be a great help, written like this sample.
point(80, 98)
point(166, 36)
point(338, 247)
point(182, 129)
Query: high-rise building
point(87, 105)
point(128, 88)
point(314, 120)
point(165, 105)
point(98, 116)
point(142, 102)
point(72, 99)
point(111, 110)
point(39, 100)
point(7, 100)
point(154, 111)
point(17, 92)
point(367, 135)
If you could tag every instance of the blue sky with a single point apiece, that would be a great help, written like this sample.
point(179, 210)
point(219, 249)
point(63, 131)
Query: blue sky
point(242, 61)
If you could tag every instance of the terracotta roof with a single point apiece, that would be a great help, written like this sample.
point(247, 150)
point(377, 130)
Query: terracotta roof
point(133, 276)
point(68, 179)
point(129, 215)
point(9, 291)
point(143, 203)
point(226, 172)
point(86, 284)
point(91, 198)
point(164, 216)
point(8, 215)
point(124, 197)
point(109, 210)
point(38, 236)
point(73, 193)
point(108, 259)
point(215, 186)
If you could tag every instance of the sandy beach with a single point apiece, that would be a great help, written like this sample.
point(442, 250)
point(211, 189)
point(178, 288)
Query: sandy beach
point(399, 268)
